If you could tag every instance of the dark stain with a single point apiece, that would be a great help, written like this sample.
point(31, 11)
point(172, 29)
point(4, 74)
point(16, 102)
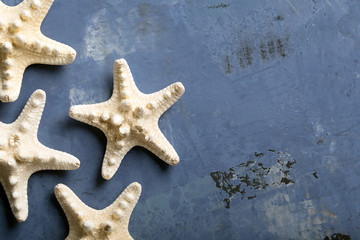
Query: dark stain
point(263, 52)
point(251, 197)
point(320, 141)
point(271, 49)
point(274, 48)
point(315, 175)
point(245, 56)
point(338, 236)
point(253, 176)
point(221, 5)
point(286, 180)
point(279, 18)
point(281, 46)
point(228, 68)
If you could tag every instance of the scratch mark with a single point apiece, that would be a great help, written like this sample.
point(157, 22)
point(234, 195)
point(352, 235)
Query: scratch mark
point(255, 73)
point(329, 3)
point(292, 6)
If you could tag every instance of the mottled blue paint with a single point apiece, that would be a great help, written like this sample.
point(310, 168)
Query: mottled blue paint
point(259, 75)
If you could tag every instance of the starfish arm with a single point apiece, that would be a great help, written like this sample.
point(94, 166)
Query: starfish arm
point(47, 51)
point(124, 205)
point(34, 11)
point(16, 191)
point(165, 98)
point(109, 223)
point(11, 79)
point(124, 83)
point(30, 117)
point(113, 156)
point(159, 145)
point(89, 114)
point(44, 158)
point(75, 210)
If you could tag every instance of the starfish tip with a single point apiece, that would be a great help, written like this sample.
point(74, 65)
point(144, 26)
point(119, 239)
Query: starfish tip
point(179, 88)
point(136, 187)
point(40, 94)
point(174, 161)
point(121, 64)
point(21, 216)
point(76, 163)
point(71, 56)
point(106, 175)
point(72, 111)
point(58, 188)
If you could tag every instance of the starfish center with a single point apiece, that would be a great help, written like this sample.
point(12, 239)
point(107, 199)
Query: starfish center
point(14, 140)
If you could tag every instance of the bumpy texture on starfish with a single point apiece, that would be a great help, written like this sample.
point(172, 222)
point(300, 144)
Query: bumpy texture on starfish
point(21, 154)
point(88, 223)
point(130, 118)
point(23, 44)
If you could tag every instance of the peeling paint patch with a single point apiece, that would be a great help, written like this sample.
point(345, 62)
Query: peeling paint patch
point(255, 176)
point(338, 236)
point(143, 26)
point(79, 96)
point(100, 39)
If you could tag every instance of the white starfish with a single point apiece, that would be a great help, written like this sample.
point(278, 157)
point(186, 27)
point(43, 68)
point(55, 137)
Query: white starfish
point(21, 154)
point(23, 44)
point(91, 224)
point(130, 118)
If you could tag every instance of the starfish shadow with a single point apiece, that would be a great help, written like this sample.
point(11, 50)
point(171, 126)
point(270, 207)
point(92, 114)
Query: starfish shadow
point(11, 220)
point(45, 67)
point(62, 215)
point(73, 124)
point(163, 165)
point(52, 174)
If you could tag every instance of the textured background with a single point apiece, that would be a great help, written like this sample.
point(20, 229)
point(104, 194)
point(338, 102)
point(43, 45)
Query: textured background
point(268, 130)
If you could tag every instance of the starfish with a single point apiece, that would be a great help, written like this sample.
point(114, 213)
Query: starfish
point(130, 118)
point(21, 154)
point(23, 44)
point(88, 223)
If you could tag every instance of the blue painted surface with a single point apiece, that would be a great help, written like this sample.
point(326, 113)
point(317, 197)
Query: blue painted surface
point(269, 121)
